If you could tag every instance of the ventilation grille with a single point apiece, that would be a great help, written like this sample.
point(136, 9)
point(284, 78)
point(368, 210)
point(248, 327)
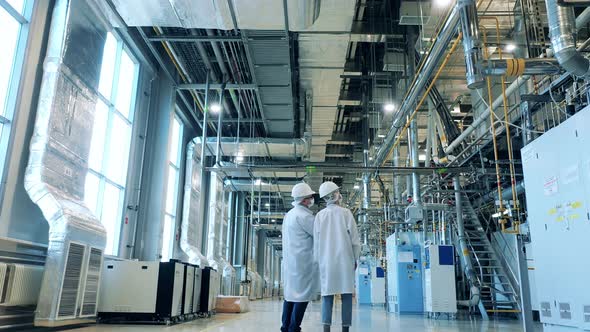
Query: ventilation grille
point(3, 280)
point(92, 283)
point(71, 282)
point(21, 285)
point(565, 310)
point(546, 309)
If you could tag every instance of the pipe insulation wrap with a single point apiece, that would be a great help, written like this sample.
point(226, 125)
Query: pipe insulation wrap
point(562, 31)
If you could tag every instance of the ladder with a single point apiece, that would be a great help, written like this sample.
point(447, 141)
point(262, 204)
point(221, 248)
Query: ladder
point(498, 293)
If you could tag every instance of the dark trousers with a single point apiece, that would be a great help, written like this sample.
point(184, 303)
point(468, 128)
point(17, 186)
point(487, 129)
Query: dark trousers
point(293, 316)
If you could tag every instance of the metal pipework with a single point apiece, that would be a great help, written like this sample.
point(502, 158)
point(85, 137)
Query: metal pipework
point(518, 67)
point(471, 43)
point(465, 258)
point(562, 30)
point(417, 199)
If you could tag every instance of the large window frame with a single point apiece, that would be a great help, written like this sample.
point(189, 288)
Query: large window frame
point(8, 106)
point(175, 153)
point(105, 181)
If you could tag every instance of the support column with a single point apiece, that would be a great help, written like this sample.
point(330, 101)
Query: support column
point(524, 284)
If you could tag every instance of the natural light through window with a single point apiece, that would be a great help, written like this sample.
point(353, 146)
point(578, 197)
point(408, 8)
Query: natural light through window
point(111, 139)
point(13, 36)
point(172, 188)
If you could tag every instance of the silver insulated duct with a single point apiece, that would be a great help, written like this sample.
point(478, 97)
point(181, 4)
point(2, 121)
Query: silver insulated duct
point(57, 169)
point(191, 228)
point(562, 30)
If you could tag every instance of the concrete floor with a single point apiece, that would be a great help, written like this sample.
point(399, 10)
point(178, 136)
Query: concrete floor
point(266, 315)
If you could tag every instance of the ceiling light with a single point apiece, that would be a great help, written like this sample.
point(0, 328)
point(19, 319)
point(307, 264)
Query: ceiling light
point(257, 182)
point(267, 204)
point(442, 3)
point(370, 158)
point(510, 47)
point(381, 136)
point(273, 220)
point(356, 186)
point(239, 158)
point(215, 108)
point(422, 157)
point(456, 109)
point(389, 107)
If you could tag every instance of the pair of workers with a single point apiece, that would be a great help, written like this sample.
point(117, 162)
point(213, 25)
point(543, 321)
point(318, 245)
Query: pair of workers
point(327, 244)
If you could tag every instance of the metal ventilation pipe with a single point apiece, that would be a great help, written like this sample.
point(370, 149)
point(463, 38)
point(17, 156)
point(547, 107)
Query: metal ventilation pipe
point(465, 258)
point(518, 67)
point(562, 31)
point(471, 43)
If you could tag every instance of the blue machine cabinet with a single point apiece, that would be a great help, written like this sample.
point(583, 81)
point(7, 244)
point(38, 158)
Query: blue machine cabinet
point(363, 282)
point(409, 279)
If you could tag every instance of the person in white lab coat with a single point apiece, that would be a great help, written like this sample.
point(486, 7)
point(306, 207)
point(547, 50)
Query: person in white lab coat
point(299, 269)
point(336, 249)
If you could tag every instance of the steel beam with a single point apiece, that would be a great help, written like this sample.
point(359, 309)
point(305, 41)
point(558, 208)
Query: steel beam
point(192, 39)
point(217, 87)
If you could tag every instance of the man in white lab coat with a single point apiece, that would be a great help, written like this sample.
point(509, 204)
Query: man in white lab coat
point(299, 268)
point(336, 249)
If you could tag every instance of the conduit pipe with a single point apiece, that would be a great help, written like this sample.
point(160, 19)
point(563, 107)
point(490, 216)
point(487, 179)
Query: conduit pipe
point(562, 30)
point(518, 67)
point(465, 255)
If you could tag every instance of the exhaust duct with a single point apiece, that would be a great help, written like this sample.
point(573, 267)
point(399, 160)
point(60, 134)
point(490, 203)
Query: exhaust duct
point(58, 164)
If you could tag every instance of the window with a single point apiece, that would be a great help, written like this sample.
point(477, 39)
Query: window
point(111, 139)
point(14, 20)
point(174, 160)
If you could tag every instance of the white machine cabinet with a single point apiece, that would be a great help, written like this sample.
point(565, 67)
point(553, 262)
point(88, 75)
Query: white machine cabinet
point(557, 181)
point(439, 280)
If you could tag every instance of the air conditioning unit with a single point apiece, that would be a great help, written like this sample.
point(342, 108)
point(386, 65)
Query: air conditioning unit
point(20, 284)
point(72, 273)
point(414, 13)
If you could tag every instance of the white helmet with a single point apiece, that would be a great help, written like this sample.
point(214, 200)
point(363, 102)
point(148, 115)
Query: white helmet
point(301, 190)
point(327, 188)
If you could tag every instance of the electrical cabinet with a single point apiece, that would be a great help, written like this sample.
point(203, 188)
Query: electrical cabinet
point(370, 282)
point(391, 254)
point(209, 290)
point(409, 279)
point(155, 292)
point(557, 181)
point(439, 280)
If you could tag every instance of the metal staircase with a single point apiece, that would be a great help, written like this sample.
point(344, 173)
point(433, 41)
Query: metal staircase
point(498, 290)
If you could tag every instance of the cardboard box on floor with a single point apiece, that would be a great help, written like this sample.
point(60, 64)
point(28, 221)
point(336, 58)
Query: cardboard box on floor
point(232, 304)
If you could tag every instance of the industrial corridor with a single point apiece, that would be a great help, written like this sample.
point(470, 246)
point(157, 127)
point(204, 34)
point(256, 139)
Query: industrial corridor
point(263, 317)
point(294, 165)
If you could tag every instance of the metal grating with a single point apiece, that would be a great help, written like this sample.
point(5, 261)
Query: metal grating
point(546, 309)
point(22, 285)
point(89, 303)
point(565, 310)
point(69, 290)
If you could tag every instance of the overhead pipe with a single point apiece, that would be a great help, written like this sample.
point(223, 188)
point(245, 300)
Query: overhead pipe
point(518, 67)
point(562, 30)
point(581, 21)
point(471, 43)
point(465, 256)
point(436, 53)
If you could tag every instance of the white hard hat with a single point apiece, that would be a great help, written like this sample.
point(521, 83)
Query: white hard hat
point(301, 190)
point(327, 188)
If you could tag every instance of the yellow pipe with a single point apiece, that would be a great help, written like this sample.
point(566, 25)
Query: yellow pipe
point(492, 122)
point(516, 222)
point(434, 79)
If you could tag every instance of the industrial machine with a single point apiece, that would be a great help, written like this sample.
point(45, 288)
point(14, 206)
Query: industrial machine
point(197, 290)
point(370, 282)
point(209, 290)
point(143, 291)
point(405, 277)
point(188, 289)
point(439, 280)
point(557, 180)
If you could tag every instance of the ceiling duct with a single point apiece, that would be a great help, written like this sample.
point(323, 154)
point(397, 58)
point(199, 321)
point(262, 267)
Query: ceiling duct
point(255, 147)
point(216, 14)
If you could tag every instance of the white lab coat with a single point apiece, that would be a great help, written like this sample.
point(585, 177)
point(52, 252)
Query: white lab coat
point(336, 249)
point(299, 268)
